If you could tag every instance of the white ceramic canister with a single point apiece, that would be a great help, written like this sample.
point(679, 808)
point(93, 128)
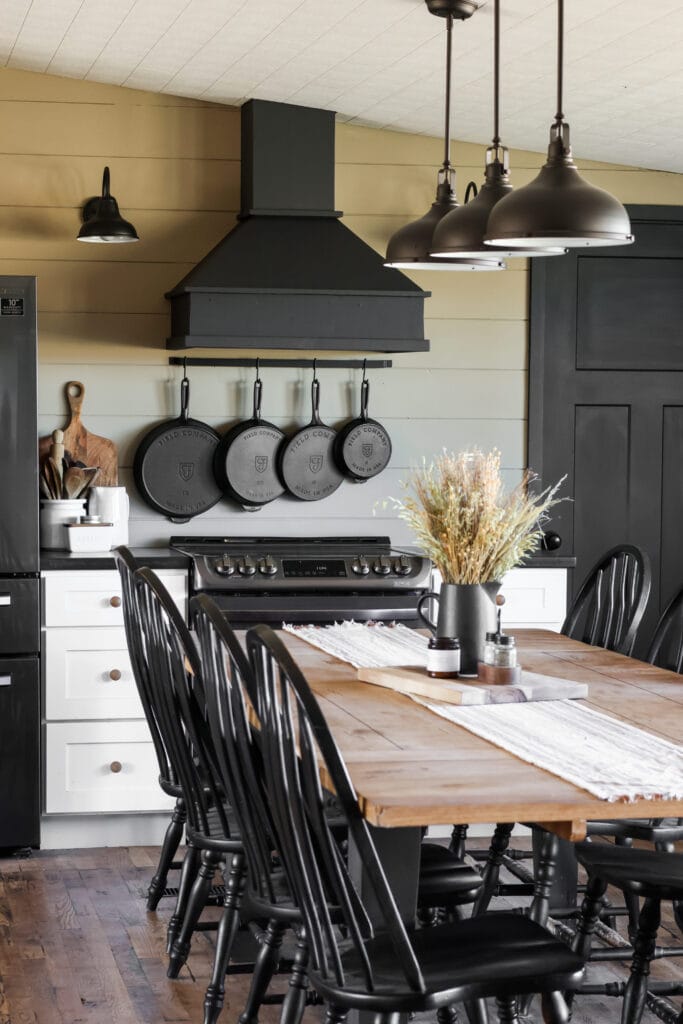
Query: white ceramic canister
point(54, 513)
point(111, 505)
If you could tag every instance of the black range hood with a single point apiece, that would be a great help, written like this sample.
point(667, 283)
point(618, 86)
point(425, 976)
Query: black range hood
point(290, 274)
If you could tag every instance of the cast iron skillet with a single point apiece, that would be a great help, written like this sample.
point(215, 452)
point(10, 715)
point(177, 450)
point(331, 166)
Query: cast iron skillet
point(173, 465)
point(245, 463)
point(363, 447)
point(306, 461)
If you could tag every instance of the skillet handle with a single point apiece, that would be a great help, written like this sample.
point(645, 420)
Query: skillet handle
point(184, 399)
point(364, 398)
point(258, 390)
point(315, 400)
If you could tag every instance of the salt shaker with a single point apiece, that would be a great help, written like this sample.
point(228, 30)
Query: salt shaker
point(504, 651)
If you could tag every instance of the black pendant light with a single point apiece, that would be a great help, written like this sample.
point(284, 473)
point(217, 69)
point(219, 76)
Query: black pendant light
point(102, 221)
point(461, 232)
point(558, 207)
point(409, 247)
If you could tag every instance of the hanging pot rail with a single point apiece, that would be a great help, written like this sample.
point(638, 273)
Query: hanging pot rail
point(302, 364)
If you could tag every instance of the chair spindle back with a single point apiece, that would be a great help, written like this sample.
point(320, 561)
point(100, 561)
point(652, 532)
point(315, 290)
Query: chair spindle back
point(666, 648)
point(611, 602)
point(227, 675)
point(178, 699)
point(295, 737)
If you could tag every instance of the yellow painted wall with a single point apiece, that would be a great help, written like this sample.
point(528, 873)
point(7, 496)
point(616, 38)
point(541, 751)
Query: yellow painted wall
point(174, 162)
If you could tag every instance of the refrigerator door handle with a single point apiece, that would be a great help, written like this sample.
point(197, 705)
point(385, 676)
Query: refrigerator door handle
point(5, 680)
point(5, 599)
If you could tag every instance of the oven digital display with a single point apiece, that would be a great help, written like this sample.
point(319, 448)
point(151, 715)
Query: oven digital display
point(298, 568)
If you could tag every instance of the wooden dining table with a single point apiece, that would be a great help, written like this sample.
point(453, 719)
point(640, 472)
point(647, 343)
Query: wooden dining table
point(411, 768)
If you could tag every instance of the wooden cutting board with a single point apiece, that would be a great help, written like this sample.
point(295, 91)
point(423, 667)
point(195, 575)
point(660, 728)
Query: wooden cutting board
point(415, 680)
point(81, 445)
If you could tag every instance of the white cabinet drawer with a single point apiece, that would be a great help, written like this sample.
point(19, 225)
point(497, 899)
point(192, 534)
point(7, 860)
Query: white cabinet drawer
point(100, 767)
point(535, 597)
point(93, 597)
point(88, 675)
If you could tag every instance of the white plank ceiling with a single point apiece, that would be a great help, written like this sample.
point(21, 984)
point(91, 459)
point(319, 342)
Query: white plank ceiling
point(380, 62)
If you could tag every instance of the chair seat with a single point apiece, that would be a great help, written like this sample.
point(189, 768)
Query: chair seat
point(645, 872)
point(498, 954)
point(445, 880)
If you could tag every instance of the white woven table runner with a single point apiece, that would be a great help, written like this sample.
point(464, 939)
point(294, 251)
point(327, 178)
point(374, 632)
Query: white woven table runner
point(364, 646)
point(607, 757)
point(612, 760)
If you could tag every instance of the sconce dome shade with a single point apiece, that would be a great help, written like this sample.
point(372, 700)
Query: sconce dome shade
point(107, 225)
point(409, 247)
point(558, 208)
point(461, 232)
point(102, 221)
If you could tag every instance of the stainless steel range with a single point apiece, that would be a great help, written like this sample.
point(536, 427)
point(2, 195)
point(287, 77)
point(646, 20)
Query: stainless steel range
point(319, 579)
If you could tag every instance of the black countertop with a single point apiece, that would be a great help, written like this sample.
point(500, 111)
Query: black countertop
point(168, 558)
point(545, 560)
point(155, 558)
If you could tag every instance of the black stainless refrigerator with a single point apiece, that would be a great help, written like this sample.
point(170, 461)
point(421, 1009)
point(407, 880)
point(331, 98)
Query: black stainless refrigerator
point(19, 567)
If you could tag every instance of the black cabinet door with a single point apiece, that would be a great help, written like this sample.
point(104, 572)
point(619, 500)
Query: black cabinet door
point(19, 548)
point(606, 397)
point(19, 616)
point(19, 752)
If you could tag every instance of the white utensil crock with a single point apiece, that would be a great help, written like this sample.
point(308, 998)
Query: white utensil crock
point(111, 505)
point(54, 513)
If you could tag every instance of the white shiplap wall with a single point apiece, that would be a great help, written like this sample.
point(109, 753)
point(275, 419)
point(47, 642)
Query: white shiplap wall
point(175, 170)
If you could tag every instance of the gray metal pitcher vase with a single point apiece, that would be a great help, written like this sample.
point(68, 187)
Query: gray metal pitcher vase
point(467, 611)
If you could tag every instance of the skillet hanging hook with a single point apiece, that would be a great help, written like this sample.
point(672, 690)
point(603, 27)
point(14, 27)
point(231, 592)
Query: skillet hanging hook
point(365, 368)
point(258, 369)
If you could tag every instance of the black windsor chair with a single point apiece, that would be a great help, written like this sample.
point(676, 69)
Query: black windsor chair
point(606, 612)
point(649, 874)
point(665, 651)
point(227, 675)
point(666, 647)
point(168, 777)
point(385, 970)
point(611, 601)
point(446, 883)
point(178, 699)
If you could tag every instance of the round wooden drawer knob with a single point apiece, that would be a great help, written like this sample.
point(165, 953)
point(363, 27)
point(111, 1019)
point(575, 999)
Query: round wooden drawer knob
point(115, 767)
point(115, 601)
point(115, 675)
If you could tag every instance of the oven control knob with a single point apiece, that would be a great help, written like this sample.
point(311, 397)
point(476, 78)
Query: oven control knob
point(267, 566)
point(402, 566)
point(246, 566)
point(382, 565)
point(360, 566)
point(225, 566)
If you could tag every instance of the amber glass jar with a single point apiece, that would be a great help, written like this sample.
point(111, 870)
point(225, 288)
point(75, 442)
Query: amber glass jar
point(443, 658)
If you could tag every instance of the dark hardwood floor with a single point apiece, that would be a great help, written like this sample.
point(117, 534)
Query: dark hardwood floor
point(78, 947)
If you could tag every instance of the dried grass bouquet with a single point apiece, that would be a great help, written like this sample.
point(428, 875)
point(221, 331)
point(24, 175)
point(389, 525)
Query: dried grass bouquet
point(464, 520)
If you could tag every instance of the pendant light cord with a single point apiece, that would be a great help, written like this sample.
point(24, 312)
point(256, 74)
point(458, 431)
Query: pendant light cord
point(447, 132)
point(496, 74)
point(559, 116)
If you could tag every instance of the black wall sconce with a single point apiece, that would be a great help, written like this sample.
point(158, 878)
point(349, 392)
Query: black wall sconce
point(102, 221)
